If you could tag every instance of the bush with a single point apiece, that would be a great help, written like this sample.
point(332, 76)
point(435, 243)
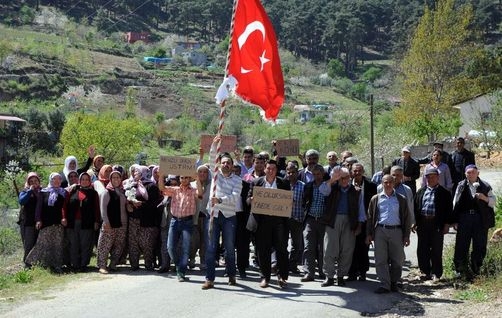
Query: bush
point(492, 264)
point(23, 277)
point(9, 241)
point(372, 74)
point(343, 85)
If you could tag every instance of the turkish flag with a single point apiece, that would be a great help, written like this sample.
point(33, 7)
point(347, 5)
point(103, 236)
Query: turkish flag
point(254, 58)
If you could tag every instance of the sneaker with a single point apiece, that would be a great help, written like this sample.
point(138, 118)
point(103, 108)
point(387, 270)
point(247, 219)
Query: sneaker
point(340, 281)
point(328, 282)
point(103, 271)
point(181, 277)
point(207, 285)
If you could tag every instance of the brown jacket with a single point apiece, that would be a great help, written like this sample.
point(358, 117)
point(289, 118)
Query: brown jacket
point(373, 216)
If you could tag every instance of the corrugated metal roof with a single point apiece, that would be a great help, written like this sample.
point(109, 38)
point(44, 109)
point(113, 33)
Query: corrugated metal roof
point(10, 118)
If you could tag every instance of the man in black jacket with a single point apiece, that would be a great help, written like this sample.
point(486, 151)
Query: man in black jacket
point(433, 215)
point(360, 260)
point(272, 231)
point(411, 168)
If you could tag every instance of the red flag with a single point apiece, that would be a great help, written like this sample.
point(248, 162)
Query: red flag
point(254, 58)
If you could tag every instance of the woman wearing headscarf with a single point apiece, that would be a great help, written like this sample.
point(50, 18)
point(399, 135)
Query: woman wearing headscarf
point(103, 178)
point(71, 164)
point(112, 237)
point(145, 218)
point(97, 164)
point(81, 211)
point(28, 200)
point(48, 250)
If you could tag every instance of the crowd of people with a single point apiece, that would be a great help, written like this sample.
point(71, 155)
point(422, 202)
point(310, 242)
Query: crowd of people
point(337, 214)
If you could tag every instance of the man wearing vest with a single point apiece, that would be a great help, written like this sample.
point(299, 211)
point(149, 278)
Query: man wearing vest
point(473, 216)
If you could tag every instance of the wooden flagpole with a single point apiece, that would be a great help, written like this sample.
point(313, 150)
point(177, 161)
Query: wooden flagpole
point(221, 122)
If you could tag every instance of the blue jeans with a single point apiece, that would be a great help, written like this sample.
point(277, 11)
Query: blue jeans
point(180, 229)
point(227, 227)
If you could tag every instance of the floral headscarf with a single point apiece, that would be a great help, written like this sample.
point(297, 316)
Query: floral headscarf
point(53, 191)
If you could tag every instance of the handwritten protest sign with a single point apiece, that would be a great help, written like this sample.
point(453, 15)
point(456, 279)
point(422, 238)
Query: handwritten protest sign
point(228, 142)
point(178, 166)
point(272, 201)
point(287, 147)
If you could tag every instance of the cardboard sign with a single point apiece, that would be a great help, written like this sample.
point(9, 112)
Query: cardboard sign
point(228, 143)
point(178, 166)
point(272, 201)
point(287, 147)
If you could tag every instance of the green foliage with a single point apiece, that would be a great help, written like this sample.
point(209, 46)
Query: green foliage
point(343, 85)
point(23, 277)
point(5, 50)
point(117, 139)
point(336, 68)
point(9, 241)
point(433, 69)
point(26, 14)
point(158, 52)
point(372, 74)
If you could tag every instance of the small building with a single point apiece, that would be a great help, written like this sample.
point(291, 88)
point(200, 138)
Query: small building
point(195, 58)
point(185, 46)
point(475, 111)
point(132, 37)
point(308, 112)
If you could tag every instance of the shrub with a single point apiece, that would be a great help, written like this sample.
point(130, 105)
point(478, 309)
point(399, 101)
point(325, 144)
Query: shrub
point(372, 74)
point(343, 85)
point(492, 264)
point(9, 241)
point(23, 277)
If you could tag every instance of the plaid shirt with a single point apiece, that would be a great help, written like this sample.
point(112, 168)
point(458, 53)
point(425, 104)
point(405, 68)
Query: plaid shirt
point(317, 207)
point(428, 208)
point(183, 202)
point(298, 212)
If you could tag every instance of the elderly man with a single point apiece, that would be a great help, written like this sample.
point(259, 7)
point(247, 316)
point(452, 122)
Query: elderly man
point(473, 216)
point(360, 260)
point(313, 231)
point(433, 214)
point(411, 168)
point(332, 158)
point(343, 216)
point(312, 158)
point(388, 226)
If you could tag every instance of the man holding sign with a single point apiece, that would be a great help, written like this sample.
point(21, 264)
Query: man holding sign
point(272, 231)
